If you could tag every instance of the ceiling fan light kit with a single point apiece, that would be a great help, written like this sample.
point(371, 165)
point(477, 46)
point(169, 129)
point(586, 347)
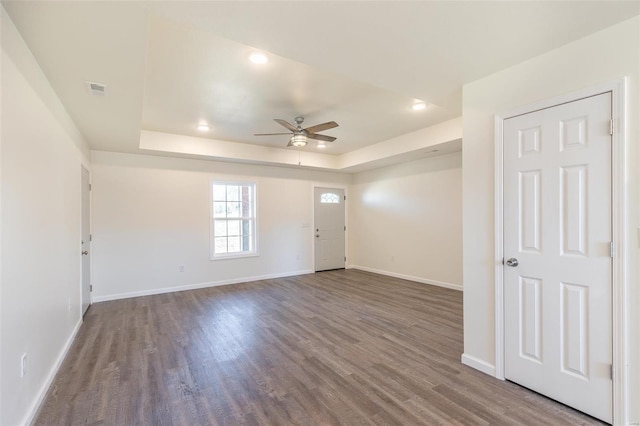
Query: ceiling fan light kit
point(299, 136)
point(298, 140)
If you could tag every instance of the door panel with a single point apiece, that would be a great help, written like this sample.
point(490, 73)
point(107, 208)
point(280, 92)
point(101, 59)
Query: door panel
point(573, 339)
point(531, 318)
point(573, 210)
point(557, 209)
point(329, 212)
point(531, 208)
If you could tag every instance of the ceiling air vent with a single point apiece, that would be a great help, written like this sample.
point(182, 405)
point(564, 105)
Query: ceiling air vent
point(96, 89)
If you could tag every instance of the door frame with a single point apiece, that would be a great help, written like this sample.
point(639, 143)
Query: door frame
point(620, 284)
point(87, 168)
point(312, 229)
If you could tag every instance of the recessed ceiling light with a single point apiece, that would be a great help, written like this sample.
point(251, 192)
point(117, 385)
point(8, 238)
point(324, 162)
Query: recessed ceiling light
point(203, 127)
point(321, 144)
point(417, 106)
point(258, 58)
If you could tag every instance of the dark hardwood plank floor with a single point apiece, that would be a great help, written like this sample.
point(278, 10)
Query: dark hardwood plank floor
point(339, 347)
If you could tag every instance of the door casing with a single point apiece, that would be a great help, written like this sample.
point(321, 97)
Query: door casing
point(620, 309)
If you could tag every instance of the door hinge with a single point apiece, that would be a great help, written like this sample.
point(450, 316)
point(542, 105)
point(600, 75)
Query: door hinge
point(89, 187)
point(345, 227)
point(612, 371)
point(90, 237)
point(90, 287)
point(345, 198)
point(612, 249)
point(345, 258)
point(611, 125)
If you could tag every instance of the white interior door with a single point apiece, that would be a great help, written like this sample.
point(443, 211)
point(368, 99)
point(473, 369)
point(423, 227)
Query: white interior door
point(86, 239)
point(329, 228)
point(557, 229)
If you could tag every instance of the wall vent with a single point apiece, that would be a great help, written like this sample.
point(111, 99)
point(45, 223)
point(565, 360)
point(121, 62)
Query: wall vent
point(96, 89)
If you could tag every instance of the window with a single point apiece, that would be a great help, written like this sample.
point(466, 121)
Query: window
point(330, 198)
point(233, 231)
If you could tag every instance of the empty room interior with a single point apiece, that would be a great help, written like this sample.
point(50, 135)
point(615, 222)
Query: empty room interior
point(390, 212)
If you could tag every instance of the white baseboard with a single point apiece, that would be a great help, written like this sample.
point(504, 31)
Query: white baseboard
point(195, 286)
point(479, 365)
point(35, 406)
point(407, 277)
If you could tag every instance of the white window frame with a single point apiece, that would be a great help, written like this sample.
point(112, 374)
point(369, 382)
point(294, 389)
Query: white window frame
point(254, 218)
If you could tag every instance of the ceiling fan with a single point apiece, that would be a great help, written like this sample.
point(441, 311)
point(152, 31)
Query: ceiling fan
point(299, 135)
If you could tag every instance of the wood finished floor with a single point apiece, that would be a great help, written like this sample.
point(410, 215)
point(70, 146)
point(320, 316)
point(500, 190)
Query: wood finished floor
point(339, 347)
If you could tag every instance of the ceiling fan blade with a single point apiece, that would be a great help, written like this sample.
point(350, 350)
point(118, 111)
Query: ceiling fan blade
point(320, 127)
point(270, 134)
point(289, 144)
point(285, 124)
point(321, 137)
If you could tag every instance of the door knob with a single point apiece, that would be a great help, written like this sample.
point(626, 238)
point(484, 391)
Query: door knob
point(513, 262)
point(84, 253)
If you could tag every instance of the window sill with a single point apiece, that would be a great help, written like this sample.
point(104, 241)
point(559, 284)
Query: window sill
point(235, 256)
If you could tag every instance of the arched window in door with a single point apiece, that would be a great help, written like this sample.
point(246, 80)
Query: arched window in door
point(330, 198)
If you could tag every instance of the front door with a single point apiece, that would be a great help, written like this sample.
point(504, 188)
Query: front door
point(329, 228)
point(557, 247)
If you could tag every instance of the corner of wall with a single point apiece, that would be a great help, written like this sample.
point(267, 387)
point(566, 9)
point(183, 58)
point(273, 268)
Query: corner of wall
point(478, 364)
point(34, 315)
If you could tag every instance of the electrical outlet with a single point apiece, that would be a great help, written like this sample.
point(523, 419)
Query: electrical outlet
point(181, 268)
point(23, 365)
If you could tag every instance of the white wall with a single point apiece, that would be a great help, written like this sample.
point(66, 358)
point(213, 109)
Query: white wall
point(406, 220)
point(152, 214)
point(41, 154)
point(599, 58)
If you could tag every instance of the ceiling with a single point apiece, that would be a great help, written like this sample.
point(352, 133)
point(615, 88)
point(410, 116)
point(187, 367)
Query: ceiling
point(169, 66)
